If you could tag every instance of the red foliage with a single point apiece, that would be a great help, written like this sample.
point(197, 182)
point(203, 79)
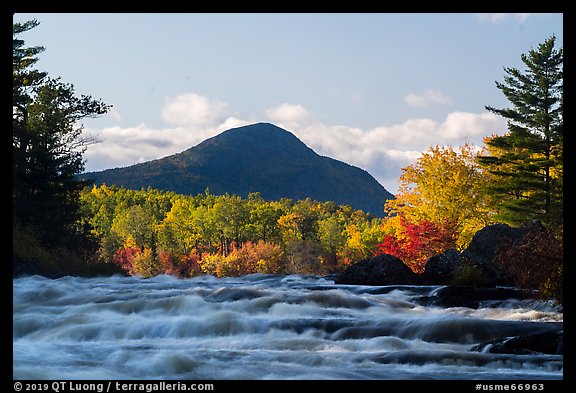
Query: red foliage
point(417, 242)
point(124, 257)
point(180, 265)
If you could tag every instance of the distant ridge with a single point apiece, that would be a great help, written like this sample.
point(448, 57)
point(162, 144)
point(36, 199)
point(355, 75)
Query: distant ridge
point(261, 158)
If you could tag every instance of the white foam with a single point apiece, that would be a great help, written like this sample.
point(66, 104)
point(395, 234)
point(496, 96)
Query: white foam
point(257, 327)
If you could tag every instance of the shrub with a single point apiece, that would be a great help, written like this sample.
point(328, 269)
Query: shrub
point(470, 275)
point(180, 265)
point(30, 256)
point(260, 257)
point(303, 257)
point(124, 258)
point(535, 262)
point(145, 265)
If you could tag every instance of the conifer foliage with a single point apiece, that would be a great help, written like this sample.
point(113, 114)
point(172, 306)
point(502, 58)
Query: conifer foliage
point(47, 148)
point(526, 162)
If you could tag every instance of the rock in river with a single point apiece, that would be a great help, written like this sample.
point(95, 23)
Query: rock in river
point(546, 342)
point(380, 270)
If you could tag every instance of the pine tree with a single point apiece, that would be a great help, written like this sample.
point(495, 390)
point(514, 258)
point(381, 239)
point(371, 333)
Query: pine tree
point(47, 148)
point(526, 162)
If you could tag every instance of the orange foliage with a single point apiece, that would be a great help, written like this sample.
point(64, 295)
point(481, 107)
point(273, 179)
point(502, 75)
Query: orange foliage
point(260, 257)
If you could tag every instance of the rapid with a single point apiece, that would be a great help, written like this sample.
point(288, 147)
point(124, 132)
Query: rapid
point(263, 327)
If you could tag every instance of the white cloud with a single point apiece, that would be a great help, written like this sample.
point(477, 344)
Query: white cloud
point(123, 146)
point(427, 98)
point(192, 119)
point(383, 151)
point(293, 116)
point(491, 17)
point(459, 125)
point(194, 111)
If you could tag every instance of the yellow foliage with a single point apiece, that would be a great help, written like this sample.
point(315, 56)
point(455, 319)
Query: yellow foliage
point(444, 185)
point(288, 225)
point(210, 262)
point(130, 242)
point(260, 257)
point(145, 265)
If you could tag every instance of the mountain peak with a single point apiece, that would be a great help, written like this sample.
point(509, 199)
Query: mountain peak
point(258, 130)
point(260, 157)
point(254, 139)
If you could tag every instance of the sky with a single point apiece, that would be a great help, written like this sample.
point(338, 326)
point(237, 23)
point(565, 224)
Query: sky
point(373, 90)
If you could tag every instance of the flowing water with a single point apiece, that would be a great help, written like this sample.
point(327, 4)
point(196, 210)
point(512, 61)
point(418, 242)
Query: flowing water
point(263, 327)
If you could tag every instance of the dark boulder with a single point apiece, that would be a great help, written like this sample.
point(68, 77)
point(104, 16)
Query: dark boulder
point(380, 270)
point(440, 269)
point(472, 297)
point(551, 343)
point(476, 266)
point(487, 243)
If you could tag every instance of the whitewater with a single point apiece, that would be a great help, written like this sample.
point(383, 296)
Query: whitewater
point(264, 327)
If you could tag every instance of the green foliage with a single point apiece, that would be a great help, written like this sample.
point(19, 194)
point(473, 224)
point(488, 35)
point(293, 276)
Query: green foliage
point(147, 232)
point(332, 235)
point(30, 256)
point(135, 226)
point(527, 162)
point(25, 79)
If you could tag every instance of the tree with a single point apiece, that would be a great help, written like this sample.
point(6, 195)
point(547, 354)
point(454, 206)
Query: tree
point(47, 149)
point(177, 231)
point(415, 243)
point(25, 79)
point(332, 235)
point(135, 226)
point(526, 162)
point(232, 218)
point(264, 217)
point(444, 186)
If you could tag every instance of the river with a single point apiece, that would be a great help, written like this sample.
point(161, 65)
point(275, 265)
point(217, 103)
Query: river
point(262, 327)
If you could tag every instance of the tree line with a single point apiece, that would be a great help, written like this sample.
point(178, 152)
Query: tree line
point(148, 232)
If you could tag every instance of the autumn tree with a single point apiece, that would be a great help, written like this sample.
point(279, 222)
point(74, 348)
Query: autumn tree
point(526, 162)
point(264, 217)
point(415, 243)
point(445, 186)
point(135, 226)
point(147, 232)
point(332, 236)
point(362, 237)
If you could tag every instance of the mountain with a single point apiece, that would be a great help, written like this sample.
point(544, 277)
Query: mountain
point(259, 157)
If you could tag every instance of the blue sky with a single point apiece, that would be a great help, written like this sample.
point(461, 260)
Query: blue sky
point(373, 90)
